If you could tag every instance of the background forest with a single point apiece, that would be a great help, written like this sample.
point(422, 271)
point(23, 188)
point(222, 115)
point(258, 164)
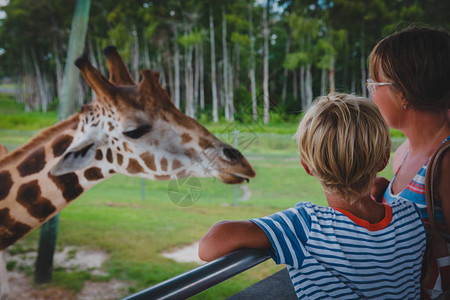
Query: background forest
point(261, 59)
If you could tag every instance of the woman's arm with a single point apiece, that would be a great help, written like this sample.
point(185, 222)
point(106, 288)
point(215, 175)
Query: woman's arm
point(443, 186)
point(227, 236)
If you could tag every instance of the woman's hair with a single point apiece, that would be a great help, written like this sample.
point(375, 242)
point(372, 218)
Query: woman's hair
point(344, 141)
point(417, 61)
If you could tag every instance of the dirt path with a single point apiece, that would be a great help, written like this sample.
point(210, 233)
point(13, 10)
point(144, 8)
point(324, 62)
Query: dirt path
point(71, 259)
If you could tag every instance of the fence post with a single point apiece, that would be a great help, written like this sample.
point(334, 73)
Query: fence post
point(236, 200)
point(47, 241)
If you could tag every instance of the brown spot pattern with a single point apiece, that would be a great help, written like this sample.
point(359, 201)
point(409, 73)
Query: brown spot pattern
point(125, 147)
point(99, 155)
point(176, 164)
point(162, 177)
point(5, 184)
point(93, 173)
point(149, 160)
point(190, 152)
point(29, 195)
point(204, 143)
point(60, 144)
point(163, 164)
point(182, 174)
point(185, 138)
point(134, 167)
point(10, 229)
point(68, 184)
point(33, 163)
point(183, 120)
point(109, 157)
point(119, 159)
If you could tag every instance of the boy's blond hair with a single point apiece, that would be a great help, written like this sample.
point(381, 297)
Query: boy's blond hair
point(344, 141)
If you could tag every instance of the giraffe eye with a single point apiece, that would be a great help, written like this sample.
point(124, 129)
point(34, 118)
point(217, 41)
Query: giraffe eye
point(138, 132)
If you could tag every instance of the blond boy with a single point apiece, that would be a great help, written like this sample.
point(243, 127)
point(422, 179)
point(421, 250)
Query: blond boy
point(356, 248)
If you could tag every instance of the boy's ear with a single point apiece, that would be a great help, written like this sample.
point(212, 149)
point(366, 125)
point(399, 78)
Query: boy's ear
point(305, 166)
point(384, 162)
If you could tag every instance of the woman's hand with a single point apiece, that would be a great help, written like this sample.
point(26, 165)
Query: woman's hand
point(379, 188)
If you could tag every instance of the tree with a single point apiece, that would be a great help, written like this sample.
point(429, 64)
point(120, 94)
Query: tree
point(266, 33)
point(215, 112)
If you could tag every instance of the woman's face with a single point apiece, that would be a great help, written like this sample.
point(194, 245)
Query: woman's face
point(389, 102)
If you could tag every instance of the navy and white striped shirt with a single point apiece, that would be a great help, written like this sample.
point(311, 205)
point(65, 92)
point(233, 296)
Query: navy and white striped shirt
point(331, 253)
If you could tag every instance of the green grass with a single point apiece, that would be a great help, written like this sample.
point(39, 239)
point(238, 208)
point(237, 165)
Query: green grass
point(113, 217)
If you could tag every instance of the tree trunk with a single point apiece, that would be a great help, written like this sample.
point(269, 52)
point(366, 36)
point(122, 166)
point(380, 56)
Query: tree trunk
point(95, 62)
point(363, 65)
point(237, 66)
point(226, 86)
point(285, 73)
point(168, 59)
point(231, 93)
point(331, 76)
point(202, 79)
point(176, 59)
point(188, 80)
point(196, 78)
point(160, 68)
point(135, 55)
point(77, 38)
point(146, 55)
point(59, 69)
point(302, 88)
point(252, 65)
point(213, 69)
point(220, 89)
point(308, 83)
point(101, 67)
point(353, 84)
point(266, 65)
point(323, 82)
point(295, 85)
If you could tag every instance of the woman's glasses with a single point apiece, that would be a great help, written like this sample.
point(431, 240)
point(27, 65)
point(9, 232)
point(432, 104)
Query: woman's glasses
point(371, 86)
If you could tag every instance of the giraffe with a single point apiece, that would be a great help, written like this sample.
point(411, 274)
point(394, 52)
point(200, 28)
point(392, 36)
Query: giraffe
point(131, 129)
point(3, 150)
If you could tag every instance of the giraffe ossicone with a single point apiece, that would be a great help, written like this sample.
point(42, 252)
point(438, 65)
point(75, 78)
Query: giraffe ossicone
point(131, 129)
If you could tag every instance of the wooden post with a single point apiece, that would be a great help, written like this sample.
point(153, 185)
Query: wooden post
point(47, 241)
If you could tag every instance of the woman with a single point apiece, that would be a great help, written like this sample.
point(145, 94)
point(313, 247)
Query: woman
point(410, 84)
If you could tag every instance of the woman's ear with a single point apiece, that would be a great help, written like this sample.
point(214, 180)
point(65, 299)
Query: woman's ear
point(305, 166)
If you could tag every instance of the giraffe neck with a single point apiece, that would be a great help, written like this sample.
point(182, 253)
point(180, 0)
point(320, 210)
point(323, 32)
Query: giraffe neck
point(29, 194)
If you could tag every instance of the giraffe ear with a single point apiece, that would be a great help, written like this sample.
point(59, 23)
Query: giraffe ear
point(78, 156)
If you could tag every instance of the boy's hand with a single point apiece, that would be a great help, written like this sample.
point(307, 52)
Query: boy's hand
point(379, 188)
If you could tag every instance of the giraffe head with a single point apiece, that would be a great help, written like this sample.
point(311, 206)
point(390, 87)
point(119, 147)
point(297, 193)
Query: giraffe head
point(136, 130)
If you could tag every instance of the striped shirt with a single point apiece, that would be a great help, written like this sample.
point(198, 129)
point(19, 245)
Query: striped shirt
point(331, 253)
point(415, 192)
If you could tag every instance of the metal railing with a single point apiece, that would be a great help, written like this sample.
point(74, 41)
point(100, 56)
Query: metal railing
point(201, 278)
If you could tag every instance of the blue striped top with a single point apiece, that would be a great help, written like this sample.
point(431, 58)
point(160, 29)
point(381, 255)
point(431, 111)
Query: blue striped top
point(329, 256)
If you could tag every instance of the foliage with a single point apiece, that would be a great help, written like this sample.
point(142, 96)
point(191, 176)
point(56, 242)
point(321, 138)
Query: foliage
point(321, 33)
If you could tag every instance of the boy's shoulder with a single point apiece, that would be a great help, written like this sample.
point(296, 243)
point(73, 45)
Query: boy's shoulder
point(312, 207)
point(315, 211)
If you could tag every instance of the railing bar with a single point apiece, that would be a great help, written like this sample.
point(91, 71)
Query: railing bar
point(203, 277)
